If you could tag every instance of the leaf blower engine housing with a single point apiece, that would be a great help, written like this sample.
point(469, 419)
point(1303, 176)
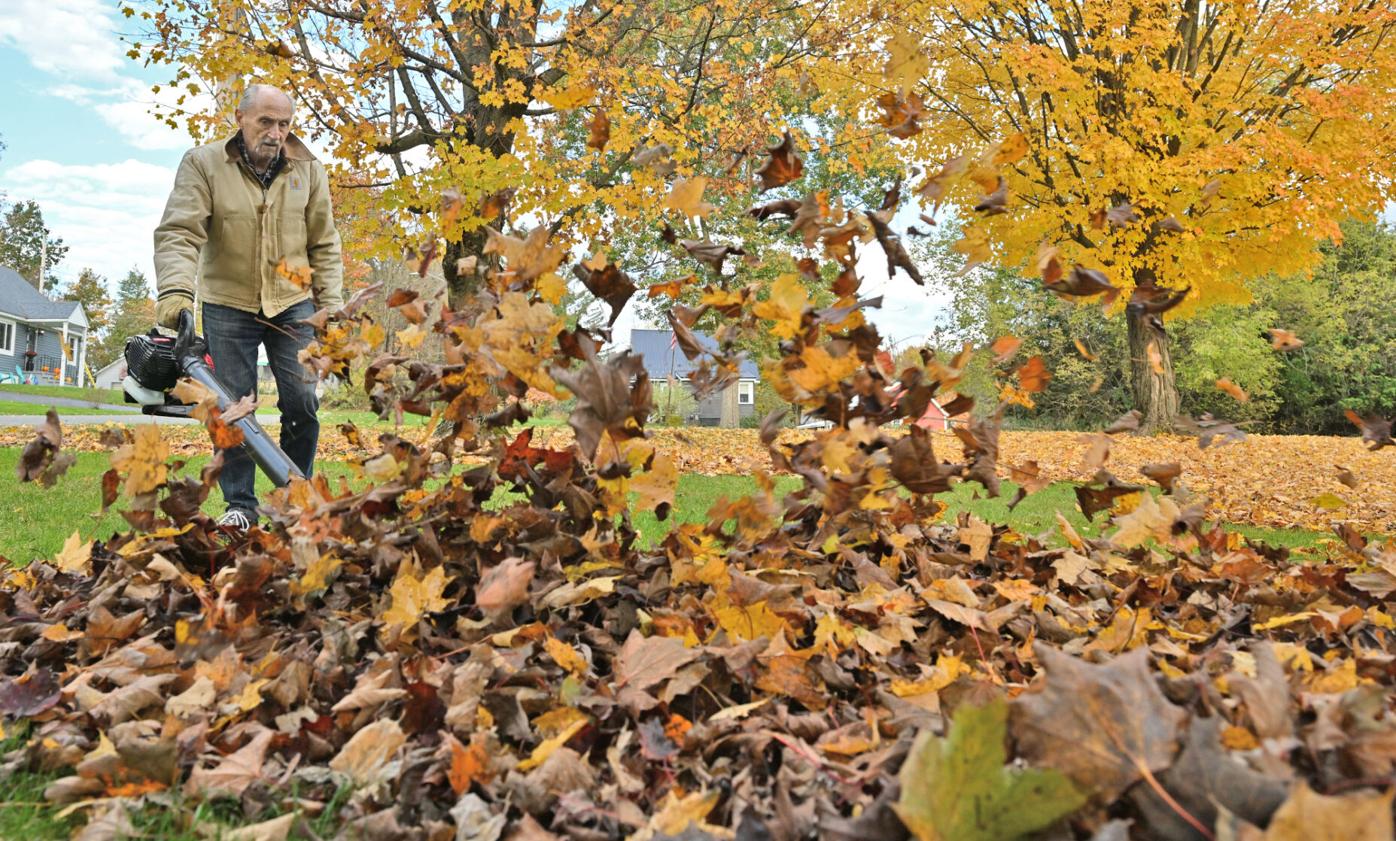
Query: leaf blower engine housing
point(154, 365)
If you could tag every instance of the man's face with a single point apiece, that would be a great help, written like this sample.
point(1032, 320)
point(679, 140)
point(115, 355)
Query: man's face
point(265, 126)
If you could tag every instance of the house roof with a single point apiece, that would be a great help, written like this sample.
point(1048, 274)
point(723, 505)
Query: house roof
point(663, 356)
point(19, 298)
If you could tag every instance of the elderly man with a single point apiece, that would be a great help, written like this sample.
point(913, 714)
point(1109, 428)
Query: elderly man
point(249, 225)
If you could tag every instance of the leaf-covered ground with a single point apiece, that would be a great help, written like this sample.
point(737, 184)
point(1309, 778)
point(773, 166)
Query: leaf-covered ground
point(829, 658)
point(1282, 481)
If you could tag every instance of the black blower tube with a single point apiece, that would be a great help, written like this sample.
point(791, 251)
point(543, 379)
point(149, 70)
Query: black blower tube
point(190, 350)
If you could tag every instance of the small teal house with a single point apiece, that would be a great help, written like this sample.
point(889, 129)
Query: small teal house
point(35, 330)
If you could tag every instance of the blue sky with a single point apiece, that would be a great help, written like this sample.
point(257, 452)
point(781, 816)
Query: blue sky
point(78, 136)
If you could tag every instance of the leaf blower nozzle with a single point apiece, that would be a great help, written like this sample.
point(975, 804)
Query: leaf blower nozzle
point(155, 363)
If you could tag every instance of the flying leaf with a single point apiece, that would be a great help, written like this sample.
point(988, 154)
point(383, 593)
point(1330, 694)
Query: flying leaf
point(782, 165)
point(995, 202)
point(1284, 340)
point(504, 586)
point(598, 130)
point(1121, 215)
point(1082, 283)
point(786, 306)
point(1376, 432)
point(1237, 393)
point(1033, 375)
point(686, 197)
point(299, 276)
point(41, 460)
point(1004, 347)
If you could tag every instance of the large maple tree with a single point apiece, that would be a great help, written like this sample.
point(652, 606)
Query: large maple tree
point(1182, 145)
point(444, 117)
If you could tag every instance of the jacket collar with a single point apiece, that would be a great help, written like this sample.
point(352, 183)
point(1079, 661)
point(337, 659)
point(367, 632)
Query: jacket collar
point(293, 149)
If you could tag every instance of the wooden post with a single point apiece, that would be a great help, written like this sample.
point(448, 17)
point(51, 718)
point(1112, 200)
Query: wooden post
point(731, 414)
point(82, 362)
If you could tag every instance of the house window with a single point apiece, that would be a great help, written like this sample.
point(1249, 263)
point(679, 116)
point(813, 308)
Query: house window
point(7, 337)
point(746, 393)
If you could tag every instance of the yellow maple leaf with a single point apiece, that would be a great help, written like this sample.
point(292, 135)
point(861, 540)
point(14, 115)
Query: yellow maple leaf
point(414, 596)
point(565, 655)
point(907, 61)
point(658, 485)
point(318, 570)
point(142, 459)
point(686, 196)
point(75, 556)
point(822, 370)
point(572, 96)
point(299, 276)
point(543, 751)
point(785, 307)
point(411, 336)
point(678, 811)
point(748, 622)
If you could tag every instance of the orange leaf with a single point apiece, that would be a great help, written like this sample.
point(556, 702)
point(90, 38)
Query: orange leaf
point(1234, 390)
point(469, 763)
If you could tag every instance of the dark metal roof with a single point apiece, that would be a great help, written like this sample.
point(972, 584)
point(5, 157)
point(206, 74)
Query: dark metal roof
point(664, 357)
point(19, 298)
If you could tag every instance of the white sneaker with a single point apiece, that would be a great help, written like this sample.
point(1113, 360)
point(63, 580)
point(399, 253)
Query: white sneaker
point(235, 519)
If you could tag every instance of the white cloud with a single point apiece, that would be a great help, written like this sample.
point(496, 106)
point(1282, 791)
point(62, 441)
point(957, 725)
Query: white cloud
point(68, 38)
point(129, 107)
point(909, 312)
point(105, 213)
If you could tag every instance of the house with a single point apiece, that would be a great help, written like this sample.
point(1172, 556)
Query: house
point(664, 359)
point(35, 330)
point(111, 374)
point(935, 418)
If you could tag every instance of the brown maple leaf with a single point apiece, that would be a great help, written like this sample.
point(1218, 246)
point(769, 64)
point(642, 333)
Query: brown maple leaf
point(41, 459)
point(1103, 725)
point(1376, 432)
point(608, 283)
point(598, 130)
point(1083, 283)
point(782, 165)
point(897, 256)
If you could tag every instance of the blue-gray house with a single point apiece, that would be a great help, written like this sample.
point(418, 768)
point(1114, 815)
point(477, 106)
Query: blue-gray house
point(664, 359)
point(34, 332)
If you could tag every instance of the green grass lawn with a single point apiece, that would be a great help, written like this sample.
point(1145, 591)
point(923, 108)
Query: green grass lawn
point(93, 395)
point(37, 520)
point(15, 407)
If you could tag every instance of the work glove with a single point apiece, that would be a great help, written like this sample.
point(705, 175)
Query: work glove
point(168, 308)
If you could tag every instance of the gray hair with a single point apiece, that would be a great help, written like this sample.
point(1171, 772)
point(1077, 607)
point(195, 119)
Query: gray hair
point(250, 95)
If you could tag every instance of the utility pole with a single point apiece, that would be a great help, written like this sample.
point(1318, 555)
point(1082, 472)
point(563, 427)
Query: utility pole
point(43, 255)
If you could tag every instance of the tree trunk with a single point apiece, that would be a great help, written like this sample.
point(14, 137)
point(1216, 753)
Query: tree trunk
point(1151, 374)
point(731, 415)
point(461, 286)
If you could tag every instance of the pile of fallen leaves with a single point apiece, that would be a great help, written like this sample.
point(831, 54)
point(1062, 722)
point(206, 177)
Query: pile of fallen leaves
point(839, 662)
point(1303, 481)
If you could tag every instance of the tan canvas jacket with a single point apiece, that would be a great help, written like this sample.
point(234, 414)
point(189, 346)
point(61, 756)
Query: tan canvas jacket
point(223, 231)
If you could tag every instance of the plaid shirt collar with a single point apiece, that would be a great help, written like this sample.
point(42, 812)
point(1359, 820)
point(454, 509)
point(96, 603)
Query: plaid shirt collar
point(267, 176)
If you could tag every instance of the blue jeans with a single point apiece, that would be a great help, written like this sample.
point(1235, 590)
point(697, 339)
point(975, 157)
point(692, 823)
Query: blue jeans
point(233, 336)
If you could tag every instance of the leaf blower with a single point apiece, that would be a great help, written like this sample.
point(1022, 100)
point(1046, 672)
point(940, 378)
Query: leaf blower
point(155, 363)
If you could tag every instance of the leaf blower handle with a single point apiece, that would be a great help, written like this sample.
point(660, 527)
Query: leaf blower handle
point(191, 351)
